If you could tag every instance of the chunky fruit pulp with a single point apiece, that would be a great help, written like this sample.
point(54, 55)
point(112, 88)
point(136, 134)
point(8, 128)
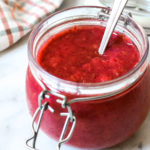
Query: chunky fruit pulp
point(101, 123)
point(73, 55)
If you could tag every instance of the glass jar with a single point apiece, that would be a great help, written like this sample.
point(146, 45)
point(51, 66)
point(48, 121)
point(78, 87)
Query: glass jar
point(98, 115)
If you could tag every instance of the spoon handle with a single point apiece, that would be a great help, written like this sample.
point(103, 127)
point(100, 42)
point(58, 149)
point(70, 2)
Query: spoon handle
point(116, 13)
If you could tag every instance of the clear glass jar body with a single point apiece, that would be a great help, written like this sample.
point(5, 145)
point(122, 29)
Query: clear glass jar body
point(123, 103)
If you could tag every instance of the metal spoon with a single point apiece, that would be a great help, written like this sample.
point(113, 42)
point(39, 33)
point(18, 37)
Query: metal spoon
point(114, 17)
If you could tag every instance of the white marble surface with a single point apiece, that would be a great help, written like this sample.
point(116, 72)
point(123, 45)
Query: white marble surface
point(15, 121)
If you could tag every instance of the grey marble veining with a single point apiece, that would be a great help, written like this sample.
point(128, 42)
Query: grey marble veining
point(15, 121)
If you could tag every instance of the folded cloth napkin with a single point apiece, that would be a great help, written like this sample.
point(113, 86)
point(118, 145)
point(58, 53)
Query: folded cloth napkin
point(17, 18)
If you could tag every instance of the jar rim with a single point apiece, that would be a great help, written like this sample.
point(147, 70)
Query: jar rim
point(84, 85)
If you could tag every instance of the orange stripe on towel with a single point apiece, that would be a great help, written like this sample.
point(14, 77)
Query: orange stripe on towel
point(36, 5)
point(6, 1)
point(21, 30)
point(28, 12)
point(6, 26)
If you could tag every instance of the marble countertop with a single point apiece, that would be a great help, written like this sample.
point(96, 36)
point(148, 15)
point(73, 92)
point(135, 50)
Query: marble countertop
point(15, 121)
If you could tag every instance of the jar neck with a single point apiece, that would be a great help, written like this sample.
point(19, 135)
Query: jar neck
point(80, 16)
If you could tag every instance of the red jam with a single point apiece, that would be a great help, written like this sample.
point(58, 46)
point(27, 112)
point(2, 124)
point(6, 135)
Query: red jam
point(73, 55)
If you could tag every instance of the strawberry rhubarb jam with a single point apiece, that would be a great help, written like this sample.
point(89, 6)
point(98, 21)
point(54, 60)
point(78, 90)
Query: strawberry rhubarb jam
point(73, 55)
point(68, 63)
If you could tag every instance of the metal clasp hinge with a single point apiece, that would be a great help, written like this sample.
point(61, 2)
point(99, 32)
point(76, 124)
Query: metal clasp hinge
point(70, 118)
point(36, 129)
point(40, 111)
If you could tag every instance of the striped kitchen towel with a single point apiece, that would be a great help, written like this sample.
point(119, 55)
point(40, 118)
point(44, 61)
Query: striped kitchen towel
point(17, 18)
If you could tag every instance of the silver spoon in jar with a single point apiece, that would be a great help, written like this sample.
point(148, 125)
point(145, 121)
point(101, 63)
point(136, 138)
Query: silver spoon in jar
point(113, 19)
